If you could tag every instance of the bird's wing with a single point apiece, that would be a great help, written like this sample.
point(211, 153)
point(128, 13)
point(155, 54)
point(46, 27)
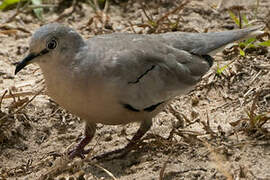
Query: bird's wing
point(148, 72)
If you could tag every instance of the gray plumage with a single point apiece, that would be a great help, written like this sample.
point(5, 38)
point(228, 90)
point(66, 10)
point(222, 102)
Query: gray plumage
point(120, 78)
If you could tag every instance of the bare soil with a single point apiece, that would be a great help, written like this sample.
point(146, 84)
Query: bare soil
point(220, 130)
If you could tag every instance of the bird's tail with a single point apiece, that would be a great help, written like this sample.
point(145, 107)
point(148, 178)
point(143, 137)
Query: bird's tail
point(254, 31)
point(209, 43)
point(228, 37)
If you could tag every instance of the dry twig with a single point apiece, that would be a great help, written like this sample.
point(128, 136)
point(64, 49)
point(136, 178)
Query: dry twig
point(18, 110)
point(105, 170)
point(2, 97)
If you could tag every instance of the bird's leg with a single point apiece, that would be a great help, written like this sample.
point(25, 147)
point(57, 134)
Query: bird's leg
point(144, 127)
point(79, 151)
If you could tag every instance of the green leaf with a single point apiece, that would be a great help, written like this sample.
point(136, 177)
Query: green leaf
point(250, 40)
point(244, 45)
point(241, 52)
point(153, 23)
point(38, 11)
point(101, 1)
point(7, 3)
point(247, 43)
point(234, 18)
point(265, 43)
point(244, 17)
point(220, 70)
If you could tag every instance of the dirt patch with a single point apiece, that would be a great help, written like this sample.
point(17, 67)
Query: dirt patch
point(220, 130)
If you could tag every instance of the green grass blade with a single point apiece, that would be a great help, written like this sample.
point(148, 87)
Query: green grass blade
point(250, 40)
point(38, 11)
point(245, 20)
point(221, 69)
point(234, 18)
point(247, 43)
point(265, 43)
point(241, 52)
point(7, 3)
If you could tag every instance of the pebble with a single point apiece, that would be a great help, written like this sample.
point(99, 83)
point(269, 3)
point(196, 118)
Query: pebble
point(4, 52)
point(108, 137)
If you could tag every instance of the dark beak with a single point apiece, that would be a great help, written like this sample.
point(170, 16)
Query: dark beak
point(27, 60)
point(24, 62)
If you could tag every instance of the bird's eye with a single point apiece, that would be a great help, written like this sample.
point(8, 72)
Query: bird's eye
point(52, 44)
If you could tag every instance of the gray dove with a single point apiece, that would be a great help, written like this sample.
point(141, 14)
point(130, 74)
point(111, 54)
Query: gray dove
point(121, 78)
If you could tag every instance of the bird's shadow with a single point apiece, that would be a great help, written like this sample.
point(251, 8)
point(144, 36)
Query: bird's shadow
point(121, 166)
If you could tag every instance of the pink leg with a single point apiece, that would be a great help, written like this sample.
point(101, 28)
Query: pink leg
point(79, 151)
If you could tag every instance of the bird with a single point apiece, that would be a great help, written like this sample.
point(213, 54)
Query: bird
point(121, 78)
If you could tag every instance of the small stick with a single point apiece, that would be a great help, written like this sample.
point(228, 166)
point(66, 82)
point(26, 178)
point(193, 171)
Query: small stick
point(96, 5)
point(180, 7)
point(162, 171)
point(61, 16)
point(106, 171)
point(19, 94)
point(131, 26)
point(146, 15)
point(106, 7)
point(2, 97)
point(30, 7)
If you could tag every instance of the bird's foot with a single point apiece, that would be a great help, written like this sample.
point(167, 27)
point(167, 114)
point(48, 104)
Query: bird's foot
point(79, 151)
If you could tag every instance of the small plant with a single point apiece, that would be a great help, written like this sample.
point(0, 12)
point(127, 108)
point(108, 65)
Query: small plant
point(163, 23)
point(6, 4)
point(98, 4)
point(251, 43)
point(254, 122)
point(241, 21)
point(9, 4)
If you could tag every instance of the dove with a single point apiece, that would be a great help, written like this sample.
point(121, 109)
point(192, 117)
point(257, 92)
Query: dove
point(121, 78)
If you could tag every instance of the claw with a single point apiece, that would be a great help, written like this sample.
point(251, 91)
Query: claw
point(79, 151)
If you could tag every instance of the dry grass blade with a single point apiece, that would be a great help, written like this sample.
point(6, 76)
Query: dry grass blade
point(251, 113)
point(96, 5)
point(106, 171)
point(9, 32)
point(219, 162)
point(19, 9)
point(207, 127)
point(149, 18)
point(68, 12)
point(18, 110)
point(106, 7)
point(162, 171)
point(19, 94)
point(163, 23)
point(60, 165)
point(2, 97)
point(180, 7)
point(253, 124)
point(131, 26)
point(253, 106)
point(220, 4)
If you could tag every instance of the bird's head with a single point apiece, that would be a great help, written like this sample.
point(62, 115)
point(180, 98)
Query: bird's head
point(50, 43)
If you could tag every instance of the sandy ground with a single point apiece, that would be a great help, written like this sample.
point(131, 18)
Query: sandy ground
point(220, 130)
